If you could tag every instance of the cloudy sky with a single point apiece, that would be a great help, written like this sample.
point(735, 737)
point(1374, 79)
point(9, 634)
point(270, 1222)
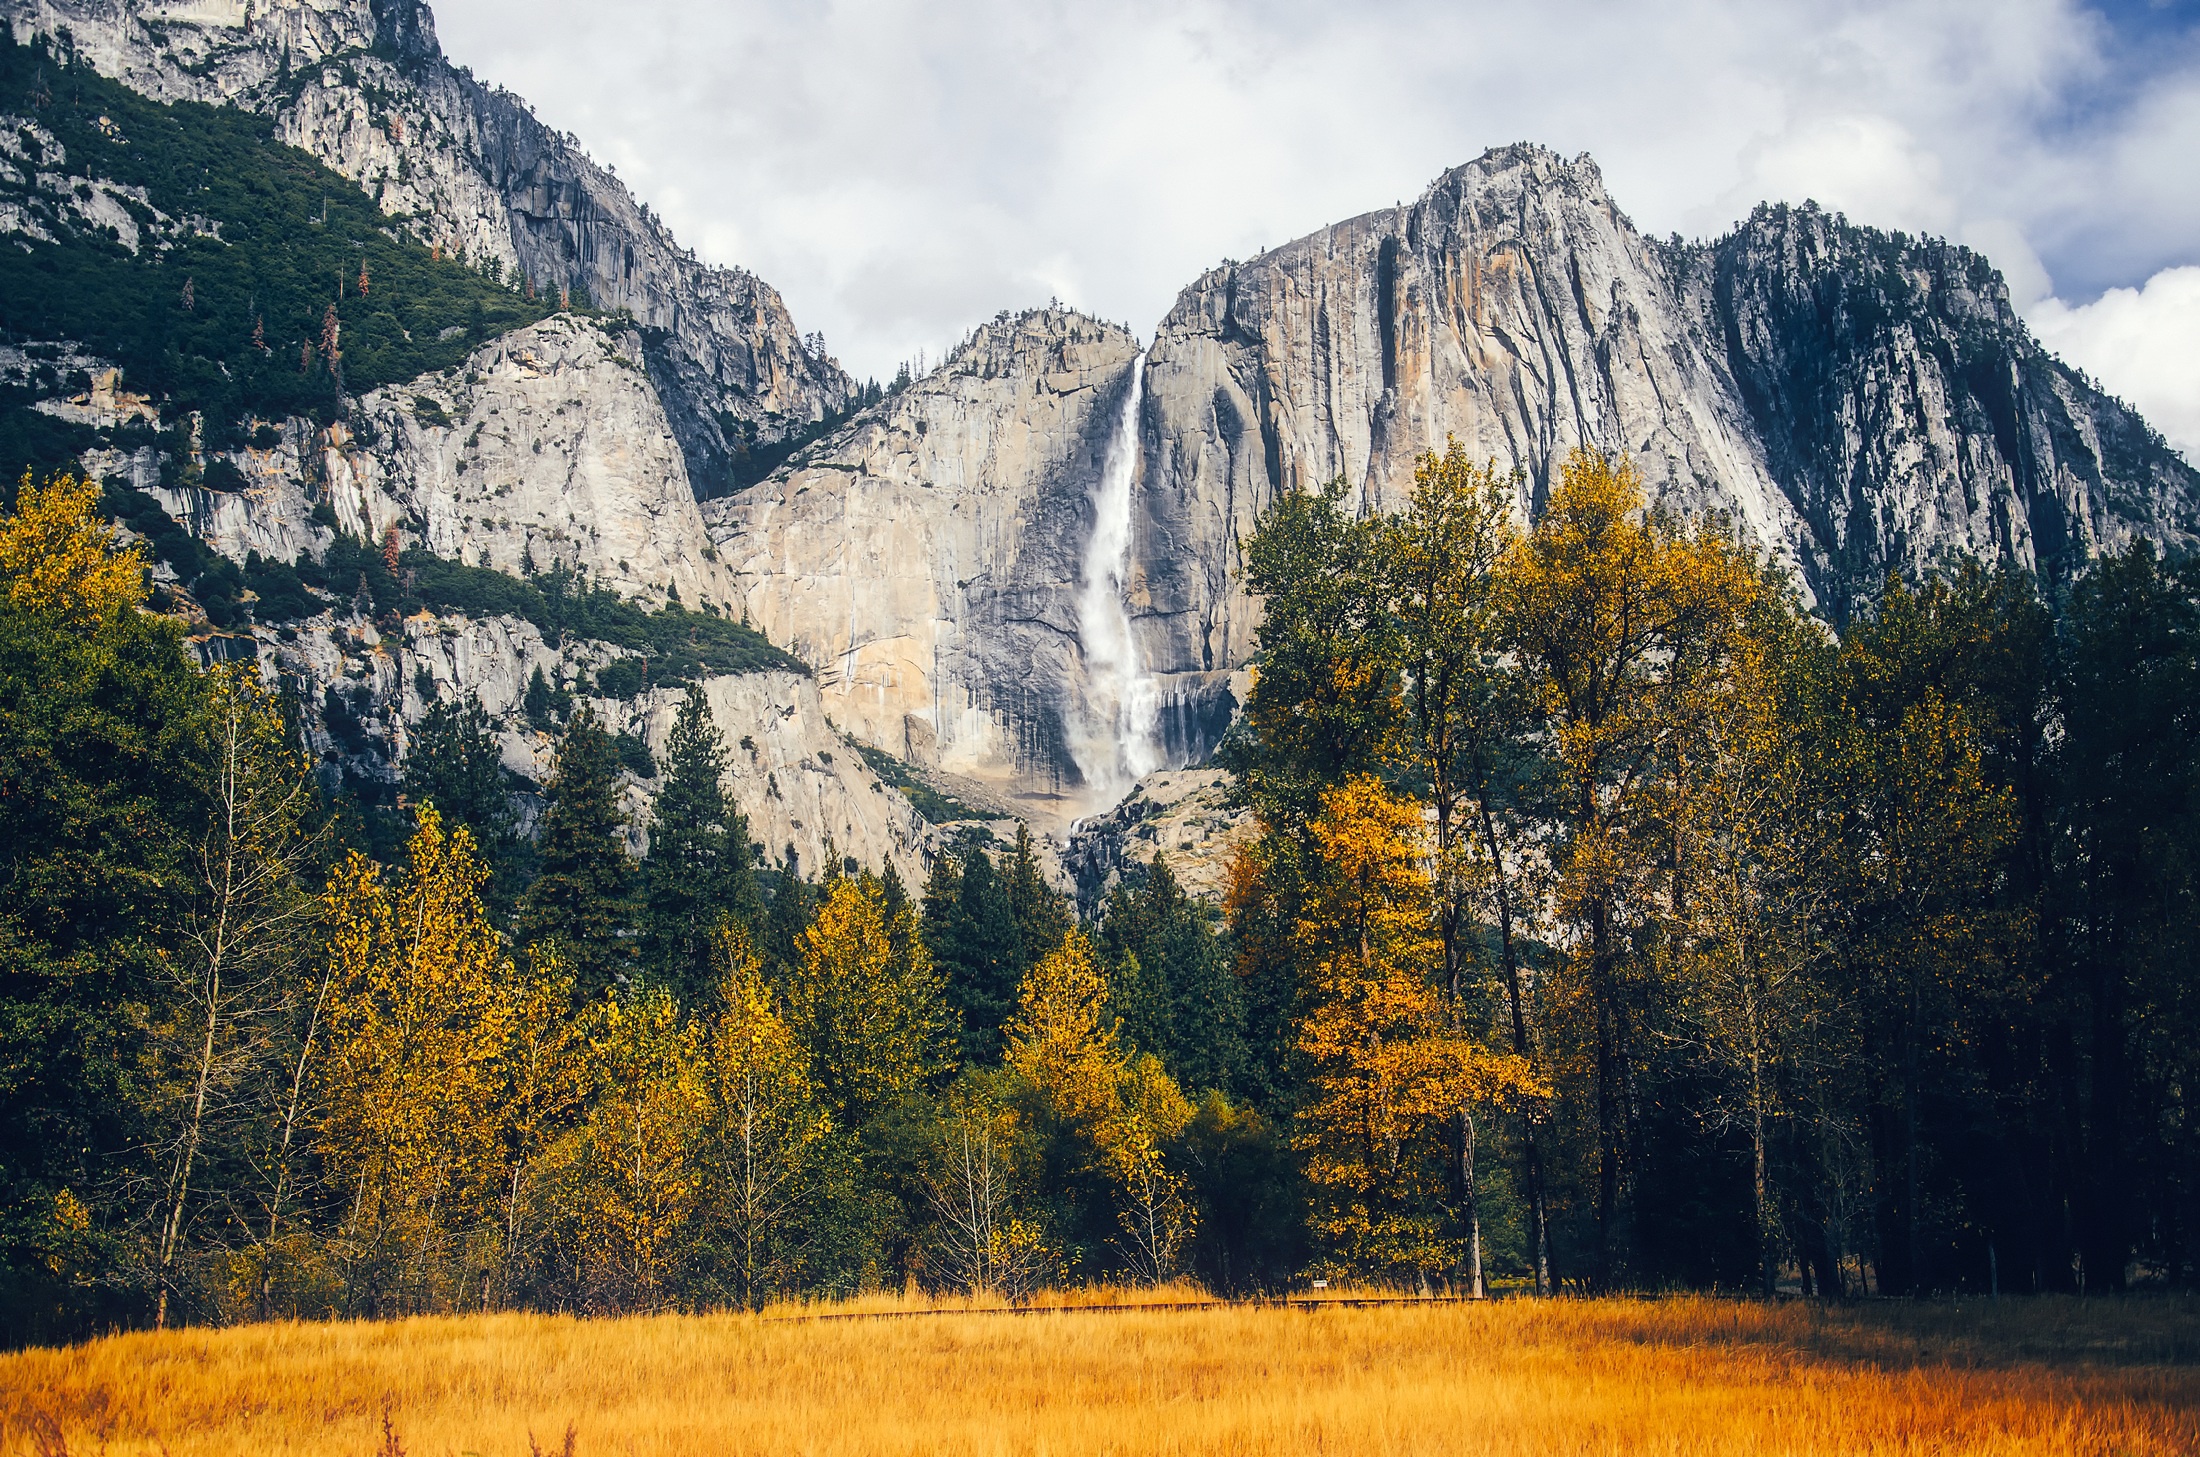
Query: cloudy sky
point(901, 171)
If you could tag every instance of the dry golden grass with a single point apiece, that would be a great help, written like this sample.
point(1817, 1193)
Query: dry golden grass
point(1660, 1376)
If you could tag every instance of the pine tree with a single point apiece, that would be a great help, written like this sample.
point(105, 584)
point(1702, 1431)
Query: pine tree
point(978, 946)
point(455, 763)
point(581, 902)
point(1171, 980)
point(1041, 917)
point(697, 871)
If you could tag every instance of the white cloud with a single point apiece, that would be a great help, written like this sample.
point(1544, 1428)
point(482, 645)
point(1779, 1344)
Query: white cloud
point(2143, 344)
point(902, 170)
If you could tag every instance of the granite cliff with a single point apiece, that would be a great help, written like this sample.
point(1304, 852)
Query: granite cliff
point(363, 86)
point(1021, 573)
point(1857, 403)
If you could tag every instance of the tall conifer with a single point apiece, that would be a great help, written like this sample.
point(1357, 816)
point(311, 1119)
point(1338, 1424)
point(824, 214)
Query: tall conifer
point(582, 902)
point(697, 871)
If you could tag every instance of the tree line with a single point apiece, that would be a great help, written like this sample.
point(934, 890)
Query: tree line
point(1611, 923)
point(1861, 960)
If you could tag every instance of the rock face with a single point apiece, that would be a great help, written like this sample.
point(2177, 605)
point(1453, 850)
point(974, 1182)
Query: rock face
point(925, 559)
point(548, 446)
point(1181, 813)
point(801, 787)
point(363, 85)
point(1857, 403)
point(1909, 417)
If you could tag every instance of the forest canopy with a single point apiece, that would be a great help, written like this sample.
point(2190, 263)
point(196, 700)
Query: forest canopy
point(1611, 923)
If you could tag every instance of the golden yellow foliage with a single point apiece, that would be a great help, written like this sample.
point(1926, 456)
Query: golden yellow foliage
point(1061, 1038)
point(1062, 1041)
point(641, 1185)
point(60, 560)
point(767, 1129)
point(418, 1024)
point(1388, 1070)
point(1693, 1377)
point(866, 1001)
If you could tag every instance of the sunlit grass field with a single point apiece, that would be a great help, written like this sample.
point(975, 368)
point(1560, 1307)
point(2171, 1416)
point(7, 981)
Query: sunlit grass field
point(1680, 1375)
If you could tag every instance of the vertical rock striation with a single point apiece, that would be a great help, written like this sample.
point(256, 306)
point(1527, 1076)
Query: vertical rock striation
point(1908, 415)
point(925, 558)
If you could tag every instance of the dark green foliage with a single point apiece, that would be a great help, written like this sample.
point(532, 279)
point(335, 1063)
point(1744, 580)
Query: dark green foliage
point(937, 808)
point(98, 787)
point(544, 705)
point(453, 762)
point(676, 645)
point(634, 756)
point(622, 678)
point(1251, 1235)
point(279, 593)
point(698, 870)
point(970, 929)
point(293, 237)
point(1042, 918)
point(1170, 978)
point(582, 899)
point(790, 904)
point(1323, 704)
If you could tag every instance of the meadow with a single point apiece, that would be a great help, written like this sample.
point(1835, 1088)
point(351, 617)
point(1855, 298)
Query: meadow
point(1678, 1375)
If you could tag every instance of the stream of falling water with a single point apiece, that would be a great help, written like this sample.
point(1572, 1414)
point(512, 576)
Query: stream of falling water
point(1115, 743)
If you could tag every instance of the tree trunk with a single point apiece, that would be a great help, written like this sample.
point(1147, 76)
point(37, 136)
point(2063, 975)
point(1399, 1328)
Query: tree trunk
point(1539, 1240)
point(1474, 1204)
point(1607, 1074)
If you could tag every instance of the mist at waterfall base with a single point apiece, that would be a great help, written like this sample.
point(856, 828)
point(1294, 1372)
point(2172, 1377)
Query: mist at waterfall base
point(1113, 731)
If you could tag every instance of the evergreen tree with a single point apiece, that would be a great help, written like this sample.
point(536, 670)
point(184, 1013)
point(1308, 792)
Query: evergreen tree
point(787, 914)
point(697, 871)
point(975, 941)
point(1042, 920)
point(1171, 981)
point(454, 763)
point(582, 902)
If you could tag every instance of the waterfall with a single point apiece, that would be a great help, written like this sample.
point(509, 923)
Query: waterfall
point(1115, 743)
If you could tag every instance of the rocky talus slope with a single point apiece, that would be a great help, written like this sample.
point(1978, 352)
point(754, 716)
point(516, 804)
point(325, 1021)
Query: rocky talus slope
point(364, 86)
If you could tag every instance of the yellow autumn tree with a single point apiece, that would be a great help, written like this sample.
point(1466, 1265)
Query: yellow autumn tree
point(1124, 1109)
point(542, 1085)
point(416, 1028)
point(767, 1131)
point(867, 1002)
point(1388, 1071)
point(639, 1201)
point(1061, 1038)
point(60, 561)
point(1620, 619)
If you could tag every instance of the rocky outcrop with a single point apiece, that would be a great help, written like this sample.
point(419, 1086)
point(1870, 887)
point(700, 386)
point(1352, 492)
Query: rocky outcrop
point(1908, 415)
point(925, 558)
point(1856, 402)
point(1184, 814)
point(363, 85)
point(548, 446)
point(1512, 307)
point(800, 785)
